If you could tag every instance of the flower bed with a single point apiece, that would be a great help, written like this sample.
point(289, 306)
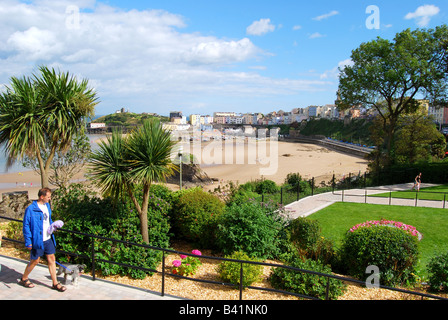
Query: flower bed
point(390, 223)
point(187, 265)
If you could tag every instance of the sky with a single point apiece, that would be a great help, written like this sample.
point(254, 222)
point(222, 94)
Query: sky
point(199, 56)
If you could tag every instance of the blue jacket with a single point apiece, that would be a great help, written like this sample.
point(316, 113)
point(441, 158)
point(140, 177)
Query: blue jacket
point(33, 226)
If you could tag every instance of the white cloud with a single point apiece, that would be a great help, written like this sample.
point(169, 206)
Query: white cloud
point(297, 27)
point(423, 14)
point(326, 16)
point(260, 27)
point(143, 60)
point(221, 51)
point(334, 73)
point(316, 35)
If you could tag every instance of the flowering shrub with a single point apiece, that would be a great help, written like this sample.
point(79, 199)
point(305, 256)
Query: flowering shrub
point(188, 265)
point(389, 223)
point(393, 250)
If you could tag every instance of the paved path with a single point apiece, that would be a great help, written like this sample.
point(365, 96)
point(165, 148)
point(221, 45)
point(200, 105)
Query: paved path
point(12, 269)
point(310, 205)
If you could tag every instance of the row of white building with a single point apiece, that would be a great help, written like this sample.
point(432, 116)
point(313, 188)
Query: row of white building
point(329, 111)
point(272, 118)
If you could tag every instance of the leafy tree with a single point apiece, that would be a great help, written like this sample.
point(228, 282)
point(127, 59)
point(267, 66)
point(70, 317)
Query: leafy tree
point(65, 165)
point(389, 76)
point(123, 164)
point(43, 112)
point(417, 139)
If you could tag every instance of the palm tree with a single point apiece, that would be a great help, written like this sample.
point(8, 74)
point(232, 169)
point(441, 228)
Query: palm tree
point(22, 127)
point(121, 164)
point(43, 112)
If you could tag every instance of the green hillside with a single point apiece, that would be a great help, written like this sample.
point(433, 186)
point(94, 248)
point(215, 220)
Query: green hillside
point(356, 130)
point(127, 119)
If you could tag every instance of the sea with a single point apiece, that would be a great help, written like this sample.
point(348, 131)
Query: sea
point(18, 166)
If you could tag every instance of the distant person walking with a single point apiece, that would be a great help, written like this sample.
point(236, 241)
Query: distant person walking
point(38, 240)
point(417, 182)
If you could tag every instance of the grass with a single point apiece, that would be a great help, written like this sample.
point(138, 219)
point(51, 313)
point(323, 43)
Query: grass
point(432, 193)
point(337, 219)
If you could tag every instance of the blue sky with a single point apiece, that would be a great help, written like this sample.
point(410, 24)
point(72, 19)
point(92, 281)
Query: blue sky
point(201, 56)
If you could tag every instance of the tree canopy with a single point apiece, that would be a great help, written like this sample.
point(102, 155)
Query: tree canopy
point(389, 77)
point(44, 111)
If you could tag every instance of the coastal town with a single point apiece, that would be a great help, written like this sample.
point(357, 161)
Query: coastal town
point(177, 121)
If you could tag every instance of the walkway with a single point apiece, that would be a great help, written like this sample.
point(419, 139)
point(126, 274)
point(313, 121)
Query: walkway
point(12, 269)
point(310, 205)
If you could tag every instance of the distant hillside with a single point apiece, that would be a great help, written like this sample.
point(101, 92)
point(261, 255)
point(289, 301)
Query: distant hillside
point(126, 119)
point(356, 131)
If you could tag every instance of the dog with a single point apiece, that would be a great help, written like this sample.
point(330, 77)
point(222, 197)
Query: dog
point(74, 270)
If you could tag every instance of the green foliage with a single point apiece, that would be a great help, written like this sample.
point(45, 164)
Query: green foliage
point(306, 283)
point(188, 265)
point(356, 131)
point(83, 212)
point(131, 164)
point(394, 251)
point(305, 234)
point(438, 273)
point(43, 112)
point(252, 227)
point(230, 271)
point(127, 119)
point(266, 186)
point(375, 78)
point(195, 216)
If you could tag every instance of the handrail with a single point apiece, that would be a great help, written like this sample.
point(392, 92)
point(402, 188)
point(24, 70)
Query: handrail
point(344, 193)
point(241, 287)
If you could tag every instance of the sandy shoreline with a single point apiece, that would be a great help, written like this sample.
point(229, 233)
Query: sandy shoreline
point(307, 159)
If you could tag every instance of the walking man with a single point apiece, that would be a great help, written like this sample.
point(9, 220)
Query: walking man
point(36, 222)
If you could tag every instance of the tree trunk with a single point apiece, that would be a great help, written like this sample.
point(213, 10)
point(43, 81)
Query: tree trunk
point(142, 211)
point(144, 214)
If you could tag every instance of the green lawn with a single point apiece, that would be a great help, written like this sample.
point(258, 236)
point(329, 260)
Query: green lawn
point(432, 193)
point(337, 219)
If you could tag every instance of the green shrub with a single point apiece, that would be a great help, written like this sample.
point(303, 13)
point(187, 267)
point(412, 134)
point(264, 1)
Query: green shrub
point(438, 273)
point(293, 179)
point(230, 271)
point(195, 216)
point(83, 212)
point(305, 235)
point(394, 251)
point(251, 227)
point(266, 186)
point(306, 283)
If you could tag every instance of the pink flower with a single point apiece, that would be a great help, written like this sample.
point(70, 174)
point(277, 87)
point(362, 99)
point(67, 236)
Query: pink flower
point(196, 252)
point(177, 263)
point(182, 256)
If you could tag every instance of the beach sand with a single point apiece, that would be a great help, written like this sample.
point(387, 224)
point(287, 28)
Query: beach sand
point(307, 159)
point(289, 157)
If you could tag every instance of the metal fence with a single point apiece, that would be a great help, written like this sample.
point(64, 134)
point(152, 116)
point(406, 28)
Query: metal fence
point(384, 196)
point(93, 260)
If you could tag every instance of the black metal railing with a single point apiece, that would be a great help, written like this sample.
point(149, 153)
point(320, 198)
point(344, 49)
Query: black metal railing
point(389, 194)
point(94, 260)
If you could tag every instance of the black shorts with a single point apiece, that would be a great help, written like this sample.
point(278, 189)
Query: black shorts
point(49, 248)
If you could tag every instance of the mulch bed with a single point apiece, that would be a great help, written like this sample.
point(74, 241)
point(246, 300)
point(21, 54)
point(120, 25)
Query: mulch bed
point(207, 271)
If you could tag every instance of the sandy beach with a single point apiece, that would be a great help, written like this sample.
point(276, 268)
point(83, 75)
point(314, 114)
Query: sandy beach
point(240, 163)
